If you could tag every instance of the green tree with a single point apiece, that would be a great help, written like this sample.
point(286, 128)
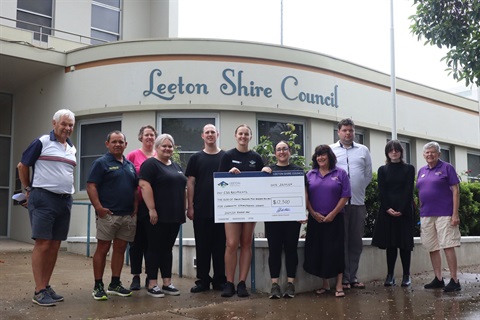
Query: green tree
point(454, 24)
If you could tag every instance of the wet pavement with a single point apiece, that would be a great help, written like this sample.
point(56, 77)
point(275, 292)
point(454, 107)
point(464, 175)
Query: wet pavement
point(73, 278)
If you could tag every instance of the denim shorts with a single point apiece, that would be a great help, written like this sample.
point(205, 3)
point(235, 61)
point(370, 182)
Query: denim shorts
point(49, 214)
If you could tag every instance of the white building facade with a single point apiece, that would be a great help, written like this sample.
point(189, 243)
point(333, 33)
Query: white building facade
point(145, 75)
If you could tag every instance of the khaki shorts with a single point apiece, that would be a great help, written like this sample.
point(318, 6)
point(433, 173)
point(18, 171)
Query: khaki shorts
point(437, 233)
point(121, 227)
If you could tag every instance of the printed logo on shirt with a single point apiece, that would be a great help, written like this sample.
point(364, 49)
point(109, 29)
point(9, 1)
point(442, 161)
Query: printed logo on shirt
point(113, 168)
point(236, 161)
point(252, 163)
point(438, 173)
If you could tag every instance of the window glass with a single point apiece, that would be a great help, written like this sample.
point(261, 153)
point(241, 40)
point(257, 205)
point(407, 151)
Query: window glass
point(112, 3)
point(187, 134)
point(4, 200)
point(273, 130)
point(105, 21)
point(473, 162)
point(445, 155)
point(44, 7)
point(359, 136)
point(92, 145)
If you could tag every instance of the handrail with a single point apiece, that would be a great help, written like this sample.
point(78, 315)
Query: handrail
point(89, 210)
point(80, 37)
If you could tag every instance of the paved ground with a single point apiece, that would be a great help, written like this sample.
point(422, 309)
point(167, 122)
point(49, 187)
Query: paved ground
point(73, 278)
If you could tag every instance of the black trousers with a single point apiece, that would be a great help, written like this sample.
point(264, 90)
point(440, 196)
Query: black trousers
point(210, 247)
point(282, 235)
point(138, 248)
point(161, 239)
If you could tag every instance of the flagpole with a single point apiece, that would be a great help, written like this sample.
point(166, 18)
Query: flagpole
point(393, 88)
point(281, 22)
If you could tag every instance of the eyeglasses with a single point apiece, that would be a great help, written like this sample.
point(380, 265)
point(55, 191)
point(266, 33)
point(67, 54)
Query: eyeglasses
point(282, 149)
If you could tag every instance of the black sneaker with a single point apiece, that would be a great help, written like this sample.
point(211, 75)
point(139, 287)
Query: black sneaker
point(118, 290)
point(452, 286)
point(435, 284)
point(275, 292)
point(242, 290)
point(53, 294)
point(406, 281)
point(289, 291)
point(99, 293)
point(199, 287)
point(42, 298)
point(170, 290)
point(156, 292)
point(228, 290)
point(135, 285)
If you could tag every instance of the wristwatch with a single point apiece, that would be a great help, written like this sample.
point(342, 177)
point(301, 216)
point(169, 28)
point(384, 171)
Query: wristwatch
point(27, 188)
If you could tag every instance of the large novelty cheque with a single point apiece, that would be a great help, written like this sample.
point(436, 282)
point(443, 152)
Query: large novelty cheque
point(259, 196)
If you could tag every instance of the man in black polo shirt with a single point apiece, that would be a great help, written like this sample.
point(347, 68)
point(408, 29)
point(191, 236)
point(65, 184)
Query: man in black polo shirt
point(112, 189)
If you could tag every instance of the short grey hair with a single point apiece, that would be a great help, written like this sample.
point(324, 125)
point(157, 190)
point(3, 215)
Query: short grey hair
point(63, 113)
point(432, 144)
point(161, 138)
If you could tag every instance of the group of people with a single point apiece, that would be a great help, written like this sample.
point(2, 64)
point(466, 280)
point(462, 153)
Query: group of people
point(143, 198)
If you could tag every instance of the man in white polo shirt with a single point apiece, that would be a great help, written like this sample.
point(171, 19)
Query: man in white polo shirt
point(49, 199)
point(354, 158)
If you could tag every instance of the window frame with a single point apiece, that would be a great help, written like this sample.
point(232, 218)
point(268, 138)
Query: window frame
point(78, 145)
point(37, 35)
point(185, 115)
point(104, 31)
point(294, 121)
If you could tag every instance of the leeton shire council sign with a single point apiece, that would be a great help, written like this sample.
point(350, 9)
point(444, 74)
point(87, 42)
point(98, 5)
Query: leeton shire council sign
point(234, 84)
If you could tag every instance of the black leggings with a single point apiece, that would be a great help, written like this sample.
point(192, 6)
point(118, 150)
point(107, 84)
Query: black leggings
point(282, 235)
point(405, 256)
point(161, 238)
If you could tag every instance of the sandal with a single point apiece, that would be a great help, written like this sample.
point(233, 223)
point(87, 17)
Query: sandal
point(322, 291)
point(357, 285)
point(346, 286)
point(339, 294)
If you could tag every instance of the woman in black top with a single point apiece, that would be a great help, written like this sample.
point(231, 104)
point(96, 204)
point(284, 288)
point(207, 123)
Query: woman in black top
point(163, 189)
point(235, 161)
point(394, 224)
point(282, 235)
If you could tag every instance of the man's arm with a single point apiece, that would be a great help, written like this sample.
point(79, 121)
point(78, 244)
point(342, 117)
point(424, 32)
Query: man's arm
point(190, 194)
point(95, 200)
point(24, 174)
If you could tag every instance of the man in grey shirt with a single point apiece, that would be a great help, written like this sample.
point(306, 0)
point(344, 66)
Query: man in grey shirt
point(354, 158)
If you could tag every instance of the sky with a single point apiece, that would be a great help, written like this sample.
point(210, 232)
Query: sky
point(357, 31)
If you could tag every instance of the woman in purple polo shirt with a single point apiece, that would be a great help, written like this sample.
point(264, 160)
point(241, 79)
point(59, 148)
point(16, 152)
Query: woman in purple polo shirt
point(328, 191)
point(439, 195)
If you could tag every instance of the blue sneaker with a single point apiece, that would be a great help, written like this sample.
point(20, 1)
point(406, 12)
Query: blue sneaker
point(43, 298)
point(54, 295)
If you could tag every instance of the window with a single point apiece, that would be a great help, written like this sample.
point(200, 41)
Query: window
point(445, 154)
point(36, 16)
point(6, 103)
point(273, 130)
point(186, 131)
point(473, 162)
point(406, 149)
point(359, 136)
point(91, 145)
point(105, 21)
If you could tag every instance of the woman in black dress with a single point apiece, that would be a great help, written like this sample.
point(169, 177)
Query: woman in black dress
point(394, 224)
